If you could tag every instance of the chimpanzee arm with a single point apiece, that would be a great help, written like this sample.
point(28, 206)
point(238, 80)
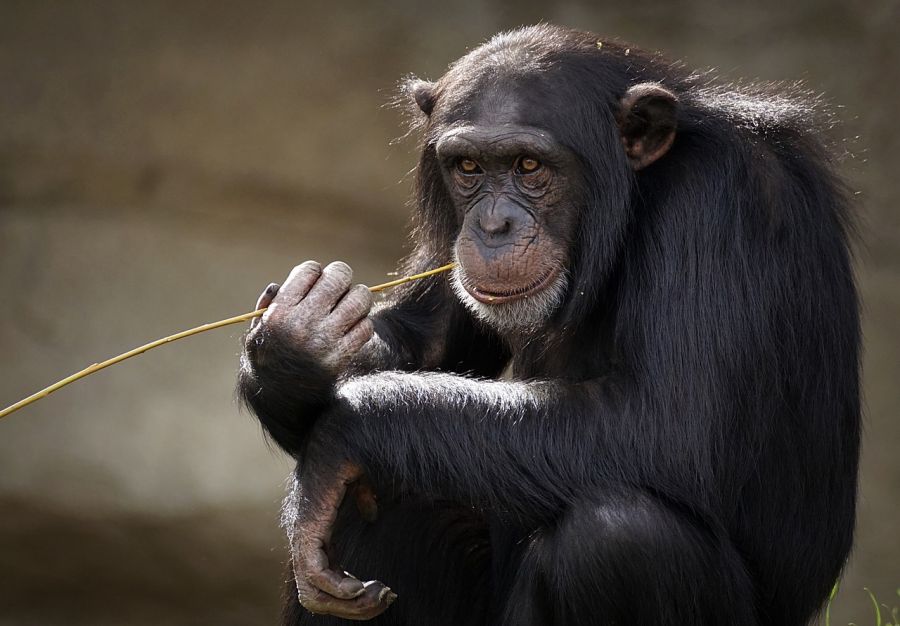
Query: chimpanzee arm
point(526, 449)
point(513, 447)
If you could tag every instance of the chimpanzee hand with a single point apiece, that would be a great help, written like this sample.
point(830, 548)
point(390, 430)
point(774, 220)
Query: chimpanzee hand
point(315, 312)
point(310, 513)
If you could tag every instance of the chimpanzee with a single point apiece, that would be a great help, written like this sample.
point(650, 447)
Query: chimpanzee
point(636, 399)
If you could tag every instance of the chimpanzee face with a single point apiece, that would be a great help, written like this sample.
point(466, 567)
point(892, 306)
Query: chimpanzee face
point(518, 193)
point(513, 189)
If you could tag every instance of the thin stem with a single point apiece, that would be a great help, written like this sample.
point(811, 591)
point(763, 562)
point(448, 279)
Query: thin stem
point(407, 279)
point(237, 319)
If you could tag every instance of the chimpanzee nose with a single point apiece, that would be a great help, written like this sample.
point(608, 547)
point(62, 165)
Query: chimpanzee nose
point(496, 220)
point(494, 224)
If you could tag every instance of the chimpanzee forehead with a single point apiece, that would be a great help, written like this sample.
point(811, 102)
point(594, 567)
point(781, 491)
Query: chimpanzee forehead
point(497, 101)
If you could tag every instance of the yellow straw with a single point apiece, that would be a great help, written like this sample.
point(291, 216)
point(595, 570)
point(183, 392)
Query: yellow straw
point(96, 367)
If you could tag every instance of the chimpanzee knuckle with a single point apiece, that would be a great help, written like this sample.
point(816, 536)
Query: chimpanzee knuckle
point(322, 329)
point(271, 319)
point(308, 317)
point(329, 289)
point(311, 598)
point(281, 325)
point(335, 584)
point(355, 305)
point(363, 297)
point(357, 336)
point(376, 599)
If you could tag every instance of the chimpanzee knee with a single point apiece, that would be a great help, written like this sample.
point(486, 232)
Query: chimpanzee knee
point(630, 559)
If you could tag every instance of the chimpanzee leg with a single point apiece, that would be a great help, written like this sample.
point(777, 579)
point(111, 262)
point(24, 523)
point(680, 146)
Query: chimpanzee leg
point(435, 556)
point(630, 559)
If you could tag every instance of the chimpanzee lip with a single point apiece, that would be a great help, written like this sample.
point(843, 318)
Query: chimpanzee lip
point(488, 296)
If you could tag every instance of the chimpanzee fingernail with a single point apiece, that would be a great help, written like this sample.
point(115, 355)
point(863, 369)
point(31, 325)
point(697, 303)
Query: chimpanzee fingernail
point(387, 596)
point(272, 288)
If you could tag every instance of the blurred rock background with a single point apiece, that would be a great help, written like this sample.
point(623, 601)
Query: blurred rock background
point(160, 162)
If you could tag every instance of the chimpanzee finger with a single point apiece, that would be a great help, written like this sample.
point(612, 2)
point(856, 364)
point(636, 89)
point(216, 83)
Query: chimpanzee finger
point(298, 283)
point(344, 587)
point(374, 600)
point(356, 337)
point(266, 297)
point(354, 306)
point(333, 284)
point(264, 300)
point(311, 567)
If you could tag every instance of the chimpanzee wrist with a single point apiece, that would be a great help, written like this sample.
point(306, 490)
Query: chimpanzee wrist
point(285, 387)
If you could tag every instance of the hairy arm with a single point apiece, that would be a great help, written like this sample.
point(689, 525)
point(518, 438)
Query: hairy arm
point(521, 450)
point(525, 449)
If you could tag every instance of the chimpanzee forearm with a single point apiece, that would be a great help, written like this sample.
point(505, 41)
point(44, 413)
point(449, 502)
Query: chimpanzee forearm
point(514, 447)
point(286, 390)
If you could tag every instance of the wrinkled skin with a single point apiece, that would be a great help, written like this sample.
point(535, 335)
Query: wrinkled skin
point(319, 312)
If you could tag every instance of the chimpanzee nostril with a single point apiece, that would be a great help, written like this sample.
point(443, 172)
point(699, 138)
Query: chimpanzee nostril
point(496, 218)
point(494, 224)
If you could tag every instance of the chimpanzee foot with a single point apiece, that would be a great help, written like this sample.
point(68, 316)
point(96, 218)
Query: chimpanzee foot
point(320, 588)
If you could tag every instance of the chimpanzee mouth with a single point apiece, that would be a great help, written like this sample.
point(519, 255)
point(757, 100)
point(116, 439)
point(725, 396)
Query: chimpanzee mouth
point(488, 296)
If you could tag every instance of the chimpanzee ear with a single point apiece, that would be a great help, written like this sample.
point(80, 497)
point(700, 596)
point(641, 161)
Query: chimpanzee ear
point(647, 120)
point(423, 93)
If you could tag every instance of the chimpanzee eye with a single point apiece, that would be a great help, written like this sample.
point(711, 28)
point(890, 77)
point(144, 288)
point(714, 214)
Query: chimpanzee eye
point(468, 167)
point(528, 165)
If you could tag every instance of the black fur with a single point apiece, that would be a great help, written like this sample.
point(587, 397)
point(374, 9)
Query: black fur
point(680, 445)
